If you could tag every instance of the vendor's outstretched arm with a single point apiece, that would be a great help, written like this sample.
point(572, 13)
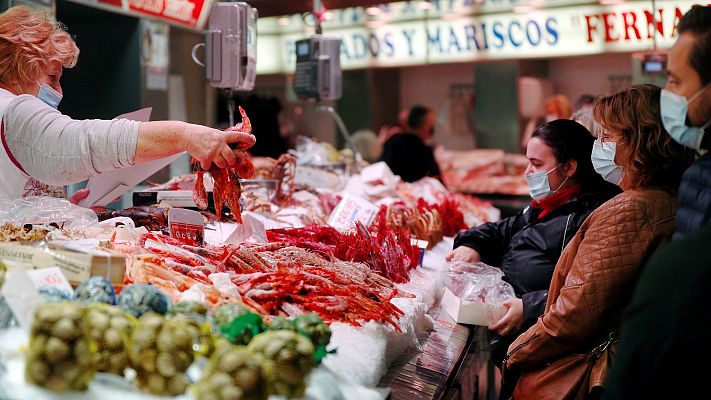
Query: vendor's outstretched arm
point(163, 138)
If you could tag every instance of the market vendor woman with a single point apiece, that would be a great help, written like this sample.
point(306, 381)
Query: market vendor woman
point(565, 190)
point(40, 143)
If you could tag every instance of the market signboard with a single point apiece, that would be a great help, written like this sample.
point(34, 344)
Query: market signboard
point(187, 13)
point(557, 32)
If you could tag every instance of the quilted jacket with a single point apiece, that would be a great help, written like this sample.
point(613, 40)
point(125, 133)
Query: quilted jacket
point(595, 276)
point(694, 198)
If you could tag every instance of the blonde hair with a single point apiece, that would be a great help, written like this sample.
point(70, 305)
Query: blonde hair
point(562, 105)
point(29, 41)
point(655, 159)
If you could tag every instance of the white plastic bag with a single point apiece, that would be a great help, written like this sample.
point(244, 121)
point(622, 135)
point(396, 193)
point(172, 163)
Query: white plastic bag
point(45, 210)
point(478, 282)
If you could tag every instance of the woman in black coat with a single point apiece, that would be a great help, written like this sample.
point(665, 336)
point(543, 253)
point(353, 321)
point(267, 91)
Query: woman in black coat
point(565, 190)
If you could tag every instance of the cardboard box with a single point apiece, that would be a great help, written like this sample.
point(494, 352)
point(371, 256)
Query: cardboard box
point(469, 312)
point(76, 266)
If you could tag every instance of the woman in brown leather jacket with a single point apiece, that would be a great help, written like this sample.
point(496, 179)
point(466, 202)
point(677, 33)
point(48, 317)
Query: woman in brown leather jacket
point(594, 277)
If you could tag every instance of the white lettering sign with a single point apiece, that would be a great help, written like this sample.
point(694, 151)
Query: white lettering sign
point(569, 31)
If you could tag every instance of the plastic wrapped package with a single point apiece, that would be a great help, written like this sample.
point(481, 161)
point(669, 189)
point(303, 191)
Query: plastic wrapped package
point(233, 373)
point(289, 358)
point(310, 152)
point(51, 294)
point(478, 282)
point(47, 210)
point(61, 353)
point(194, 314)
point(161, 350)
point(3, 271)
point(110, 328)
point(96, 289)
point(141, 298)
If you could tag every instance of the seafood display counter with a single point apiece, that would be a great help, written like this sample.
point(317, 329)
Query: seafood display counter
point(430, 374)
point(323, 285)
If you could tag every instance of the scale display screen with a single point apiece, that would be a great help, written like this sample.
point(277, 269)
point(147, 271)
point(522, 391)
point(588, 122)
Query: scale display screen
point(302, 48)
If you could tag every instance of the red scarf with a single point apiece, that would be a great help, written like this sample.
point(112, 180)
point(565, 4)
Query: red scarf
point(556, 200)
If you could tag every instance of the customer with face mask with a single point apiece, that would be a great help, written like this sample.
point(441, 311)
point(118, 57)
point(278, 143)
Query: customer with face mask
point(686, 113)
point(594, 277)
point(668, 322)
point(39, 142)
point(565, 190)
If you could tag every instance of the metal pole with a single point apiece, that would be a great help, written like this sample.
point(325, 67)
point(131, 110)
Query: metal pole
point(231, 106)
point(318, 13)
point(344, 131)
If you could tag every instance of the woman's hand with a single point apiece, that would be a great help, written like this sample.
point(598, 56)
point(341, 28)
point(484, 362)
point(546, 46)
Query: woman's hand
point(209, 145)
point(158, 139)
point(464, 253)
point(512, 320)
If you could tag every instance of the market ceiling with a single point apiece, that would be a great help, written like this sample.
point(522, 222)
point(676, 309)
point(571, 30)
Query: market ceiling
point(270, 8)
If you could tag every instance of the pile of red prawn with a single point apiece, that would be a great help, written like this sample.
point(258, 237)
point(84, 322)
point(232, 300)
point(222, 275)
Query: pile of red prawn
point(450, 214)
point(386, 251)
point(275, 279)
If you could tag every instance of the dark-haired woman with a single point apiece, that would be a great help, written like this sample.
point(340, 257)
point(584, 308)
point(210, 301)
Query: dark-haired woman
point(565, 190)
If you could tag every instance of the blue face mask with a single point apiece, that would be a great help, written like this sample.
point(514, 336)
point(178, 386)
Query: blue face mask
point(50, 96)
point(673, 109)
point(603, 160)
point(539, 186)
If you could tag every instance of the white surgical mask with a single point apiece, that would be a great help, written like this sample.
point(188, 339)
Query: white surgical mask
point(50, 96)
point(673, 109)
point(539, 186)
point(603, 160)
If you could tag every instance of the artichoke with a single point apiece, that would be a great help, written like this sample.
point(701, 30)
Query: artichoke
point(289, 359)
point(140, 298)
point(233, 373)
point(242, 329)
point(96, 289)
point(281, 323)
point(225, 313)
point(313, 327)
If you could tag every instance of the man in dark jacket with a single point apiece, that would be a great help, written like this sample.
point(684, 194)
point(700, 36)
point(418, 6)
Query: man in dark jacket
point(668, 322)
point(689, 87)
point(409, 154)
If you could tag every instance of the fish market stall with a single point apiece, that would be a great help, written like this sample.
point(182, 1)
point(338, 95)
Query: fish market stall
point(335, 279)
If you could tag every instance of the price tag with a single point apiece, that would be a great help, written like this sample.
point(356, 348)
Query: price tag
point(351, 209)
point(186, 225)
point(50, 277)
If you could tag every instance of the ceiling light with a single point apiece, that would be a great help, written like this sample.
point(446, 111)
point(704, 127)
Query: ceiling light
point(373, 11)
point(522, 9)
point(425, 5)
